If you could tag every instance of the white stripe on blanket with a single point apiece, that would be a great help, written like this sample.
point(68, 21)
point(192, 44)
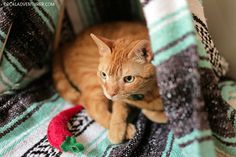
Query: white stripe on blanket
point(169, 21)
point(30, 141)
point(94, 145)
point(31, 132)
point(167, 7)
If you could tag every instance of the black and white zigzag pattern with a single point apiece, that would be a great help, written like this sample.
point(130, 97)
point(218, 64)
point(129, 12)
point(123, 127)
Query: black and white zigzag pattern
point(42, 149)
point(220, 66)
point(79, 123)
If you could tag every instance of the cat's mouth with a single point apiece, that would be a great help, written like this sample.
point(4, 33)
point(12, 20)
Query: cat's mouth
point(121, 97)
point(110, 97)
point(115, 97)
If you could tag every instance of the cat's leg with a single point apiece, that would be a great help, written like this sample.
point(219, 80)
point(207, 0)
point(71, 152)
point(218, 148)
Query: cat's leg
point(97, 106)
point(155, 104)
point(155, 116)
point(61, 82)
point(130, 131)
point(119, 129)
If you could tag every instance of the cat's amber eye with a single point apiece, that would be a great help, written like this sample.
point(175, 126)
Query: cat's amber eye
point(128, 79)
point(103, 75)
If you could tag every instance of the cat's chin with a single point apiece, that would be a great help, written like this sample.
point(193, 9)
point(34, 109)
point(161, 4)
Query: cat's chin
point(108, 96)
point(114, 98)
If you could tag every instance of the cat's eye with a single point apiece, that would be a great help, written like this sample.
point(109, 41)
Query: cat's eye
point(128, 79)
point(103, 75)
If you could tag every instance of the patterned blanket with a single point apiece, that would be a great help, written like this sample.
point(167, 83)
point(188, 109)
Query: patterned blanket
point(198, 99)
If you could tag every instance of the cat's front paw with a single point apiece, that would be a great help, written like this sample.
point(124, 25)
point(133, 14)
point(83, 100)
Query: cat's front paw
point(155, 116)
point(116, 133)
point(130, 131)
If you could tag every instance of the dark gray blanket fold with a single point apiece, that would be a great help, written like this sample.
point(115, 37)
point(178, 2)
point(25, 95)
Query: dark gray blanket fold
point(149, 141)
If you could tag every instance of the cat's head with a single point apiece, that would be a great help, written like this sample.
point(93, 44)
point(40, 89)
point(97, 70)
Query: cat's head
point(125, 67)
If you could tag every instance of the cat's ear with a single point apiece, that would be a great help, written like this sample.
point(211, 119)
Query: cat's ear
point(141, 52)
point(104, 45)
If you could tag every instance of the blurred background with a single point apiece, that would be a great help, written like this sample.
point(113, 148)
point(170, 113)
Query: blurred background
point(221, 18)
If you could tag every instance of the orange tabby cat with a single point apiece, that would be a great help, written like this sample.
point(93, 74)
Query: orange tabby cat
point(117, 70)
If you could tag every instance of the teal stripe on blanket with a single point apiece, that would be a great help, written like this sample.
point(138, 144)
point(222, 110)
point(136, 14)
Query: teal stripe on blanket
point(12, 70)
point(165, 34)
point(228, 92)
point(169, 16)
point(45, 113)
point(32, 129)
point(227, 145)
point(3, 84)
point(182, 46)
point(229, 140)
point(43, 18)
point(101, 147)
point(15, 62)
point(172, 42)
point(90, 146)
point(51, 9)
point(28, 110)
point(108, 151)
point(197, 143)
point(175, 150)
point(226, 83)
point(203, 63)
point(172, 148)
point(230, 150)
point(233, 118)
point(1, 46)
point(169, 143)
point(231, 111)
point(3, 34)
point(193, 135)
point(98, 137)
point(196, 149)
point(201, 50)
point(9, 72)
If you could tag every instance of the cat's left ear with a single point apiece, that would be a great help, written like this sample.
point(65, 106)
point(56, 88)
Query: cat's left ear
point(142, 52)
point(104, 45)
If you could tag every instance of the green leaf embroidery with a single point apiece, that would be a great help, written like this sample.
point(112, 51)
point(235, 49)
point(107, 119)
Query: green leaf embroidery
point(70, 145)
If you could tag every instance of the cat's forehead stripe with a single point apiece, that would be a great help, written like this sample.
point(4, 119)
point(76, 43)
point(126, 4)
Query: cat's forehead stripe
point(119, 56)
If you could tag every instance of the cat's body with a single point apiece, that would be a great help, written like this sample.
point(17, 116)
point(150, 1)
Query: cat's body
point(85, 67)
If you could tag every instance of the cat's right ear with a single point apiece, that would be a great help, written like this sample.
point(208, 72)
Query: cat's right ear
point(141, 52)
point(104, 45)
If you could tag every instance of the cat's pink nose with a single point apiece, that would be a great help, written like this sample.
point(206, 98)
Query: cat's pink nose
point(112, 94)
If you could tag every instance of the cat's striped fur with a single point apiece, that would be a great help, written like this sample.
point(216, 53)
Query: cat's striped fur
point(78, 65)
